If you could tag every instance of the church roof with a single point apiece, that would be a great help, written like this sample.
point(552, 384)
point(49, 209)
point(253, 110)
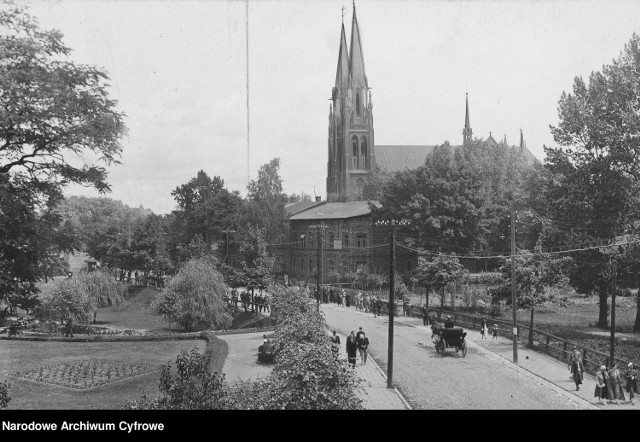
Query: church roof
point(334, 211)
point(399, 158)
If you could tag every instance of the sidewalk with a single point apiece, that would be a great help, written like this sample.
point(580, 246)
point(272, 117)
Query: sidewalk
point(373, 389)
point(544, 367)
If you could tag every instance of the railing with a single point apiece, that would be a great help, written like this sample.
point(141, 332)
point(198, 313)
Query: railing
point(547, 343)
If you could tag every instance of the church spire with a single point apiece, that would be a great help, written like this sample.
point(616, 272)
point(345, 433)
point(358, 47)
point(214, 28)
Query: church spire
point(342, 73)
point(356, 60)
point(521, 141)
point(467, 132)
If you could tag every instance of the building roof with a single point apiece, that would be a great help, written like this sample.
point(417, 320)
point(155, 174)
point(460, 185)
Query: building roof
point(399, 158)
point(334, 211)
point(293, 208)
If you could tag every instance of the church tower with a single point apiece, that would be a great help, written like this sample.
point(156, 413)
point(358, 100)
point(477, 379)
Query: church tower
point(467, 132)
point(351, 142)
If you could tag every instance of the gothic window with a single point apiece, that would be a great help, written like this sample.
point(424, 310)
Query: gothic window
point(358, 104)
point(363, 152)
point(354, 152)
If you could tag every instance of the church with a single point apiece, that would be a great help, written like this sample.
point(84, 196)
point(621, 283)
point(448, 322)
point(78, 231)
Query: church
point(338, 233)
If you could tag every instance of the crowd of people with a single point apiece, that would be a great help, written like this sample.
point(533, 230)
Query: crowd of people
point(259, 303)
point(610, 382)
point(363, 302)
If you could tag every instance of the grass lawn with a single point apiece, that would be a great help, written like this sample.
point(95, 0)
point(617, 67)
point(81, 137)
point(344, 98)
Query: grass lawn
point(134, 313)
point(29, 355)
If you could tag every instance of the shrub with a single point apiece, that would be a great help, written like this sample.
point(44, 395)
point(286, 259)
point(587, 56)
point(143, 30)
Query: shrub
point(194, 297)
point(194, 386)
point(4, 394)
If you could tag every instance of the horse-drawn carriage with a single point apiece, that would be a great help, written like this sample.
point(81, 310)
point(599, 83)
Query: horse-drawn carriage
point(453, 337)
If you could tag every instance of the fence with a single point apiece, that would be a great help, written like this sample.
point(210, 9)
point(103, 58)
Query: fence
point(544, 342)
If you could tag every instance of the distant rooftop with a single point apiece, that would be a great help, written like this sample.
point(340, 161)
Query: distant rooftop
point(334, 211)
point(399, 158)
point(293, 208)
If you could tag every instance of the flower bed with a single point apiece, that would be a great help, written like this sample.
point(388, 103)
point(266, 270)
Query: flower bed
point(85, 374)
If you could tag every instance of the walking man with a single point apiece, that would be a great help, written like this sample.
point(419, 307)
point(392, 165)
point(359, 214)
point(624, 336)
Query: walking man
point(335, 345)
point(425, 315)
point(363, 345)
point(631, 376)
point(69, 327)
point(577, 368)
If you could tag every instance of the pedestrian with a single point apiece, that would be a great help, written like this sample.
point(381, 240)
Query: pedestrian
point(359, 302)
point(615, 381)
point(631, 376)
point(335, 345)
point(483, 329)
point(572, 357)
point(360, 332)
point(332, 298)
point(577, 369)
point(69, 327)
point(363, 345)
point(266, 304)
point(494, 332)
point(405, 306)
point(425, 315)
point(352, 349)
point(602, 378)
point(340, 296)
point(379, 306)
point(347, 299)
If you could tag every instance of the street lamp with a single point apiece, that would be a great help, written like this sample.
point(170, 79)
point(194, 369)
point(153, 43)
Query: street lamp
point(392, 271)
point(319, 282)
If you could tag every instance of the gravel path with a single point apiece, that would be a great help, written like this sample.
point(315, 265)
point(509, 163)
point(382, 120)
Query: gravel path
point(430, 381)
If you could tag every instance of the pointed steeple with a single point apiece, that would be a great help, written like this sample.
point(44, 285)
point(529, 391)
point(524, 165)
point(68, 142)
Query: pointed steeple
point(505, 140)
point(521, 141)
point(342, 73)
point(356, 60)
point(466, 132)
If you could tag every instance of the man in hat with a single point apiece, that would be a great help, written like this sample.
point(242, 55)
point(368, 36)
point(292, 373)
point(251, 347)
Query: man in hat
point(360, 332)
point(577, 369)
point(448, 323)
point(631, 376)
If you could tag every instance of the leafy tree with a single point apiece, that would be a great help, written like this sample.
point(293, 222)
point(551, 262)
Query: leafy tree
point(442, 199)
point(53, 110)
point(198, 289)
point(531, 282)
point(264, 206)
point(193, 387)
point(256, 262)
point(206, 208)
point(596, 166)
point(436, 274)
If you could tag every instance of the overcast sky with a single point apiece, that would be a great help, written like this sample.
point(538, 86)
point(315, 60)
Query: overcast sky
point(178, 71)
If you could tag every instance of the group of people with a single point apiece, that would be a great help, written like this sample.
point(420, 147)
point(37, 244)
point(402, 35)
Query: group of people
point(265, 351)
point(364, 302)
point(259, 304)
point(356, 343)
point(484, 330)
point(609, 384)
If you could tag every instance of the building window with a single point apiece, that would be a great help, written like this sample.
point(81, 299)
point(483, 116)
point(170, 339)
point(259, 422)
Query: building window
point(363, 152)
point(361, 240)
point(354, 152)
point(303, 240)
point(358, 103)
point(312, 239)
point(345, 240)
point(332, 238)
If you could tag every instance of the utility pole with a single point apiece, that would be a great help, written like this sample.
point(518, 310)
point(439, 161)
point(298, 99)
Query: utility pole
point(513, 286)
point(392, 273)
point(612, 344)
point(319, 267)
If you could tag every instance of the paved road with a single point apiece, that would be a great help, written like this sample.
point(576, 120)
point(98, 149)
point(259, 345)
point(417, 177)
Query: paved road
point(242, 360)
point(430, 381)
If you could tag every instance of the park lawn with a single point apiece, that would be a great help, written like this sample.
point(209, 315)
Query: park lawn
point(135, 313)
point(26, 355)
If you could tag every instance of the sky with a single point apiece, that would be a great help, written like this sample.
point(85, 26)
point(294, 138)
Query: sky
point(178, 70)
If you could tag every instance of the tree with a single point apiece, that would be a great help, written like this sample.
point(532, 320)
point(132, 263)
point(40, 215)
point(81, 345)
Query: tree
point(4, 394)
point(256, 262)
point(193, 387)
point(53, 110)
point(206, 208)
point(531, 282)
point(596, 167)
point(198, 289)
point(438, 273)
point(264, 206)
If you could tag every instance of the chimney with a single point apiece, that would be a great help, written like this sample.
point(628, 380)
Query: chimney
point(318, 199)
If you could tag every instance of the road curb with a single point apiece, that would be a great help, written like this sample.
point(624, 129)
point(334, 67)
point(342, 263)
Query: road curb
point(533, 375)
point(384, 375)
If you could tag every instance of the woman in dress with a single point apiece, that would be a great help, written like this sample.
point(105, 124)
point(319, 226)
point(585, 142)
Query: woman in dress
point(483, 328)
point(335, 345)
point(615, 381)
point(602, 380)
point(631, 376)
